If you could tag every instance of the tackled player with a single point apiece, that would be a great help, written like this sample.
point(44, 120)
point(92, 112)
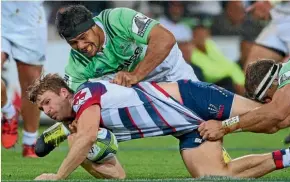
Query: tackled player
point(148, 110)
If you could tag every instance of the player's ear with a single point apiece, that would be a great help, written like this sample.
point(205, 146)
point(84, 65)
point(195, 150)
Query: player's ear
point(267, 100)
point(64, 92)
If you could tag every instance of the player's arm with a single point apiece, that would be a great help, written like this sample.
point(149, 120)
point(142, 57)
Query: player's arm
point(269, 115)
point(147, 31)
point(160, 43)
point(214, 128)
point(88, 125)
point(266, 119)
point(110, 169)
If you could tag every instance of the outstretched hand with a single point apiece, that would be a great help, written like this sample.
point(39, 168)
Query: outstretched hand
point(47, 176)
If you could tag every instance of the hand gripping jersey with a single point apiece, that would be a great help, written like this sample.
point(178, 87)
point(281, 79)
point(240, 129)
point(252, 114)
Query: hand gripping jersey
point(126, 34)
point(141, 111)
point(284, 75)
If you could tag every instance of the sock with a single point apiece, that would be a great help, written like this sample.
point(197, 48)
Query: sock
point(8, 110)
point(29, 138)
point(281, 158)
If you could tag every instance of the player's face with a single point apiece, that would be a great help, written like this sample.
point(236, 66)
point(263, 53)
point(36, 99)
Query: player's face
point(55, 106)
point(89, 42)
point(176, 10)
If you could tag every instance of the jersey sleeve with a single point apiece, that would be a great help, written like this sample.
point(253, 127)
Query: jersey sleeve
point(131, 23)
point(88, 94)
point(284, 75)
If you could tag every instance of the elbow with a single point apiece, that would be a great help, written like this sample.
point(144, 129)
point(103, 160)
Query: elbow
point(272, 130)
point(121, 175)
point(168, 40)
point(117, 174)
point(281, 112)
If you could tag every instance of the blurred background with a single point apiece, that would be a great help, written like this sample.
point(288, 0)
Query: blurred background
point(220, 33)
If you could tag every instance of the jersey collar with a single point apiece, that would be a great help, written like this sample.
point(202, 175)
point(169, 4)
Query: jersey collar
point(102, 27)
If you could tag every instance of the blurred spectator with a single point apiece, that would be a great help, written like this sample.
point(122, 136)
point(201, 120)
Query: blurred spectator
point(204, 54)
point(215, 67)
point(274, 41)
point(173, 14)
point(234, 21)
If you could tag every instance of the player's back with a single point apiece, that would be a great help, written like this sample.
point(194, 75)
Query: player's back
point(141, 111)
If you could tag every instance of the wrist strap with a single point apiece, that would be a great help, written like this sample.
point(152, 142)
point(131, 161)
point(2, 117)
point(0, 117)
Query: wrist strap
point(229, 122)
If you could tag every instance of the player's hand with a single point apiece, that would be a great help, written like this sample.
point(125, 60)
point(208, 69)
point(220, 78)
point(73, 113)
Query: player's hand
point(47, 176)
point(260, 10)
point(211, 130)
point(125, 78)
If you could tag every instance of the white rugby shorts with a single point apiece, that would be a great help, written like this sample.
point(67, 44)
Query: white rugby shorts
point(24, 31)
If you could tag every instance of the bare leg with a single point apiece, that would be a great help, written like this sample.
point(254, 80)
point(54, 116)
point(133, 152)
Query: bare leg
point(3, 94)
point(3, 86)
point(260, 52)
point(30, 112)
point(208, 160)
point(9, 133)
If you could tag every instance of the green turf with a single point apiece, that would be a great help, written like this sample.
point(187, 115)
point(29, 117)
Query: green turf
point(145, 160)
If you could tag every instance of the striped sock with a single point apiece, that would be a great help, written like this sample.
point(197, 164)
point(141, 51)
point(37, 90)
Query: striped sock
point(281, 158)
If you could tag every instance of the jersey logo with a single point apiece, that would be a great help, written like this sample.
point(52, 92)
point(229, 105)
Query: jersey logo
point(284, 77)
point(81, 97)
point(216, 111)
point(140, 24)
point(67, 80)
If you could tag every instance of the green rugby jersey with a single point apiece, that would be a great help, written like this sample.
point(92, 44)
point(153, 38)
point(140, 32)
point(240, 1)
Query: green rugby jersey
point(126, 33)
point(284, 75)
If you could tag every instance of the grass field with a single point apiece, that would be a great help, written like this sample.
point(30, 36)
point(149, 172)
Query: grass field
point(151, 159)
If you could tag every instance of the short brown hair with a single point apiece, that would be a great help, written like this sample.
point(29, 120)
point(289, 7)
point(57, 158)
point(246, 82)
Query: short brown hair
point(49, 82)
point(255, 73)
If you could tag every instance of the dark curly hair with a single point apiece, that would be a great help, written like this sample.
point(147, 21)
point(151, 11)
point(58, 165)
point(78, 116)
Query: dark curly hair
point(68, 17)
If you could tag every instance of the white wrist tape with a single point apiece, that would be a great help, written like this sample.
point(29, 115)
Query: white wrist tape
point(231, 121)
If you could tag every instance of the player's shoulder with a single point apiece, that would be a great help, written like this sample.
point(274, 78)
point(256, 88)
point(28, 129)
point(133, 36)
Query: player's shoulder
point(284, 74)
point(108, 15)
point(95, 86)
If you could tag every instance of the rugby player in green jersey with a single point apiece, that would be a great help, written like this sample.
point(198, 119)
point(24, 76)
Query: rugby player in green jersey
point(119, 44)
point(266, 82)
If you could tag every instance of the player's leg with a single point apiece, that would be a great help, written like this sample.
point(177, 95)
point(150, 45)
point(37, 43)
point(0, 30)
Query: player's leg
point(9, 133)
point(207, 159)
point(30, 112)
point(109, 169)
point(268, 45)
